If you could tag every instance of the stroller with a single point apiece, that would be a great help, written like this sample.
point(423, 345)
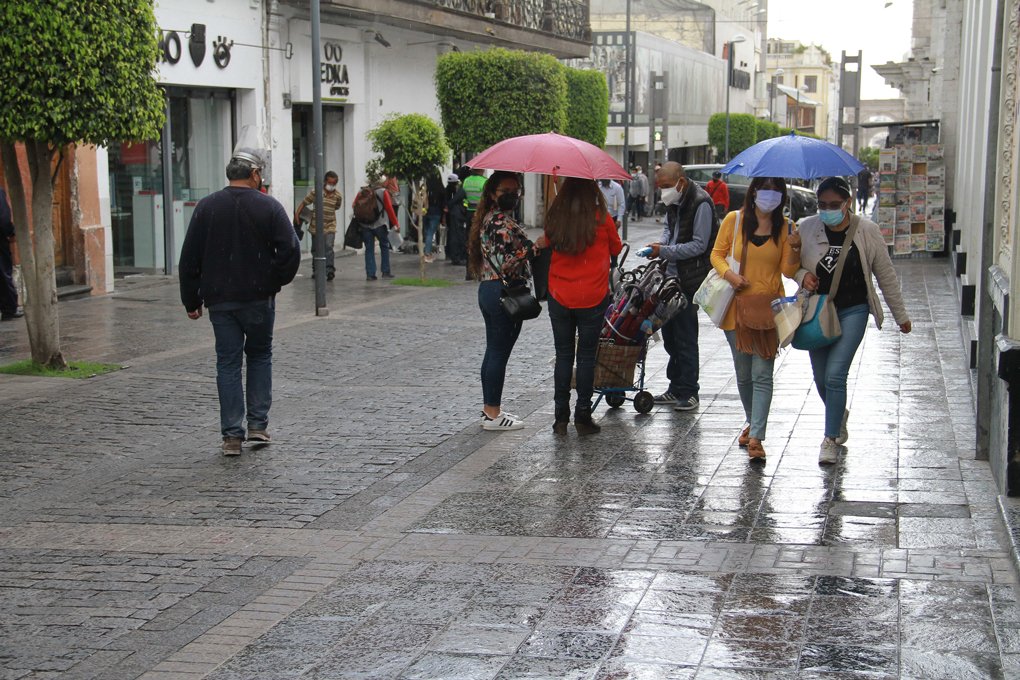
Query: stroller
point(644, 299)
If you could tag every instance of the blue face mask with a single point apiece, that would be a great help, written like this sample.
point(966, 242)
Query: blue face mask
point(831, 218)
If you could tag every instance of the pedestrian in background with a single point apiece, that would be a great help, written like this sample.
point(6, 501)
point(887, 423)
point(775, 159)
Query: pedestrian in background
point(762, 240)
point(456, 221)
point(434, 212)
point(720, 193)
point(583, 236)
point(864, 178)
point(8, 291)
point(498, 250)
point(685, 244)
point(638, 193)
point(240, 250)
point(332, 200)
point(374, 210)
point(616, 202)
point(823, 238)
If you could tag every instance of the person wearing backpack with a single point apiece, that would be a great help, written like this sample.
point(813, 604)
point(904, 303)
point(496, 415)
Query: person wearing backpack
point(373, 210)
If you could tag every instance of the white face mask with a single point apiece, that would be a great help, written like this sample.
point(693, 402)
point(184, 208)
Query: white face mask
point(767, 200)
point(330, 187)
point(670, 196)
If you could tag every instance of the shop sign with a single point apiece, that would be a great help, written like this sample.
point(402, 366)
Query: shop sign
point(171, 47)
point(333, 75)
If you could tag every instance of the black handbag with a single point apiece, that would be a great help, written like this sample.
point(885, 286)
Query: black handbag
point(516, 298)
point(352, 237)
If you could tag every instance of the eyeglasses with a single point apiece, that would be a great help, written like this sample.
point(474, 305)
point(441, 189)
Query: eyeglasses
point(831, 206)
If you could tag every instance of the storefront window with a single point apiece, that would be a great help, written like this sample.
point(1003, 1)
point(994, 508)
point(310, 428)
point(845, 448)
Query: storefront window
point(201, 136)
point(304, 145)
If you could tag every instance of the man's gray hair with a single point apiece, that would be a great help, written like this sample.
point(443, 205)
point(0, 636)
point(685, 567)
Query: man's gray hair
point(239, 169)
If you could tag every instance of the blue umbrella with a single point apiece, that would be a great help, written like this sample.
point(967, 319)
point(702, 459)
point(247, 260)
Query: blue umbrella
point(793, 156)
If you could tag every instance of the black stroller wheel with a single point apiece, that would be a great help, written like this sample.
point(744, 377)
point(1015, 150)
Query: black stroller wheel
point(644, 402)
point(615, 399)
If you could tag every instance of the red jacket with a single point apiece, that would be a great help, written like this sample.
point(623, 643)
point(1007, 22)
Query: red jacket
point(582, 281)
point(719, 192)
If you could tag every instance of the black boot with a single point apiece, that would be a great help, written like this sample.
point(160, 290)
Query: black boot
point(584, 423)
point(562, 418)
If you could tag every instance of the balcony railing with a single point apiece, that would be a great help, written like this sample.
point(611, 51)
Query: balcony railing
point(562, 18)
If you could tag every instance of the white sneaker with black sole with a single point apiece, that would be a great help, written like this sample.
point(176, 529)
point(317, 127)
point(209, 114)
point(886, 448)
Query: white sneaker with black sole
point(687, 404)
point(504, 421)
point(666, 397)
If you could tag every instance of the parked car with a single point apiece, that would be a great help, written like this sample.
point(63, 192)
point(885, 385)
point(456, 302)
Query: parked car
point(803, 201)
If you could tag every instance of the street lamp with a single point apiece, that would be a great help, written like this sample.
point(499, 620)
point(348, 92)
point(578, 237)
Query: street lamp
point(729, 80)
point(772, 99)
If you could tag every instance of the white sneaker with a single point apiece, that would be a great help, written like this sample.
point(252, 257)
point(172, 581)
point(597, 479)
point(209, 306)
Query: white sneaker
point(504, 421)
point(687, 404)
point(828, 454)
point(843, 434)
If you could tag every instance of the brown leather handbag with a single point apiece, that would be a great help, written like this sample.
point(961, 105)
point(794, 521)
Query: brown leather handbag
point(756, 325)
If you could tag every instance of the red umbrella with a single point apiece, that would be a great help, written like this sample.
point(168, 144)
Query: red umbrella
point(550, 154)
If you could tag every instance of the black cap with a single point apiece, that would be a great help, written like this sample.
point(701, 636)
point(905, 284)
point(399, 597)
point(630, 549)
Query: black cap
point(716, 175)
point(837, 184)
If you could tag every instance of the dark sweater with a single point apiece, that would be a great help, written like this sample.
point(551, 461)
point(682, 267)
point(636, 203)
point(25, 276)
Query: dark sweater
point(240, 247)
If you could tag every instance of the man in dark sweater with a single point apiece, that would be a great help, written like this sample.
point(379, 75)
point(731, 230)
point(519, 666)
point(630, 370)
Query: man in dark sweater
point(239, 252)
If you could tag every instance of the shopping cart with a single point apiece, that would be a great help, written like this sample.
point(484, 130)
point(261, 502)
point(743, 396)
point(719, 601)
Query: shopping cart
point(643, 300)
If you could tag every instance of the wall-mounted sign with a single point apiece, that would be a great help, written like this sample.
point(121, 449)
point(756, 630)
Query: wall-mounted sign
point(333, 73)
point(171, 48)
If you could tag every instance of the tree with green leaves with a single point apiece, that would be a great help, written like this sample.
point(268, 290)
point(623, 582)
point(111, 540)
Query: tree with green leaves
point(742, 132)
point(410, 147)
point(486, 97)
point(869, 156)
point(765, 129)
point(74, 72)
point(587, 105)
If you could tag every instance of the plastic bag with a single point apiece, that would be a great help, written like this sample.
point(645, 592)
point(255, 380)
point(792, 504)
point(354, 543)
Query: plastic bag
point(715, 294)
point(788, 313)
point(396, 240)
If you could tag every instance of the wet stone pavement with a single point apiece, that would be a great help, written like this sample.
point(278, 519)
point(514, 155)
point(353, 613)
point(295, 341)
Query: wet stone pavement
point(384, 535)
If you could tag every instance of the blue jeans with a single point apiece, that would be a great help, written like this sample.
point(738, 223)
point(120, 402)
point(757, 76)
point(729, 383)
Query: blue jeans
point(831, 364)
point(500, 336)
point(570, 326)
point(369, 235)
point(754, 382)
point(431, 223)
point(248, 330)
point(680, 337)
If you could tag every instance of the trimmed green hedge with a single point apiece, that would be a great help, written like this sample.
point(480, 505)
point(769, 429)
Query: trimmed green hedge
point(587, 105)
point(765, 129)
point(411, 145)
point(486, 97)
point(742, 133)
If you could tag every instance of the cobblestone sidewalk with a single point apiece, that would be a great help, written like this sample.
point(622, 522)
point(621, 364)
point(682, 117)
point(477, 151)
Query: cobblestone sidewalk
point(384, 535)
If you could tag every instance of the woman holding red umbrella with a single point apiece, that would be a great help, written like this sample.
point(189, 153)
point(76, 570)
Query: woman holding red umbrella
point(583, 236)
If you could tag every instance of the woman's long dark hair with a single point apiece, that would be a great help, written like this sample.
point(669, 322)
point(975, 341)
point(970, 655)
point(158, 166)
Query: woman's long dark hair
point(574, 216)
point(486, 204)
point(778, 218)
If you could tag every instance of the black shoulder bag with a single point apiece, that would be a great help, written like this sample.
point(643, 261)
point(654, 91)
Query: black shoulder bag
point(517, 300)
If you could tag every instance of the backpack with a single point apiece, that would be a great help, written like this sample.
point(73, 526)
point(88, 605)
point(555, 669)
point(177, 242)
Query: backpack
point(366, 206)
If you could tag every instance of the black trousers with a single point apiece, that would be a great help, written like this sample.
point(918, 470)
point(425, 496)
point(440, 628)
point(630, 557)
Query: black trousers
point(456, 241)
point(8, 293)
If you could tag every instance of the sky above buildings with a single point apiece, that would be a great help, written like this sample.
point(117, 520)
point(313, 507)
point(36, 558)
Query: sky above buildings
point(881, 33)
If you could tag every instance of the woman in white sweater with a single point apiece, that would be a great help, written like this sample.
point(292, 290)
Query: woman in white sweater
point(823, 238)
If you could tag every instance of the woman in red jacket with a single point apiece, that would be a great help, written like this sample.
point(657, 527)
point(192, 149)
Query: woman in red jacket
point(583, 236)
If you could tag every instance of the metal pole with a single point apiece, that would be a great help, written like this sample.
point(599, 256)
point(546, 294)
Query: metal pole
point(168, 193)
point(772, 100)
point(626, 114)
point(729, 77)
point(319, 257)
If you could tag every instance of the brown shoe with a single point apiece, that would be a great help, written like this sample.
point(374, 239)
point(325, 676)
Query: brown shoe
point(755, 449)
point(744, 438)
point(231, 446)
